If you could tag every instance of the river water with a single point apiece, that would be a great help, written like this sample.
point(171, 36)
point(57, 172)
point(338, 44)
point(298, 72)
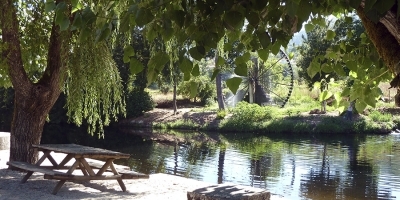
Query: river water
point(332, 167)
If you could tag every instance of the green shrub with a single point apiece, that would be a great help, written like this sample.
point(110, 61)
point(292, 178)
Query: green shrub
point(138, 102)
point(206, 90)
point(287, 126)
point(251, 111)
point(248, 117)
point(334, 125)
point(380, 117)
point(221, 114)
point(179, 124)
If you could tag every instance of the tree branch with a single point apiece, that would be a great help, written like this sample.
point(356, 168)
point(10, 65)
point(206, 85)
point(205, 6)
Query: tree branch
point(12, 48)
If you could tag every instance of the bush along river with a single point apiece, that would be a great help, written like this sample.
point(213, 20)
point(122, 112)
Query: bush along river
point(332, 167)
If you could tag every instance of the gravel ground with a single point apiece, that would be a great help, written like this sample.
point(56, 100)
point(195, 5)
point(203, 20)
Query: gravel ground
point(158, 186)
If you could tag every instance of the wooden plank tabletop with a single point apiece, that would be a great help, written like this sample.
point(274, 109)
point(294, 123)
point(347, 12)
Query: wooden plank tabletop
point(79, 150)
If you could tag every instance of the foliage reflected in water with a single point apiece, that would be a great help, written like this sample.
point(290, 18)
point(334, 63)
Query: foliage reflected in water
point(330, 167)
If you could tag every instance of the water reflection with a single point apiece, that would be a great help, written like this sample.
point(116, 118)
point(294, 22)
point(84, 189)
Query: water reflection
point(295, 168)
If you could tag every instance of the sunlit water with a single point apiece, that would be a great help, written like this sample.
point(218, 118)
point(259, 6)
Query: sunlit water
point(366, 167)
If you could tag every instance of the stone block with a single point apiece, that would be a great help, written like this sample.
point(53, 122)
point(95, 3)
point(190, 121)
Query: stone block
point(228, 191)
point(4, 141)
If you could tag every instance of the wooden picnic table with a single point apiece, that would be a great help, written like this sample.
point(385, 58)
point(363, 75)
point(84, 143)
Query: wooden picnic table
point(80, 154)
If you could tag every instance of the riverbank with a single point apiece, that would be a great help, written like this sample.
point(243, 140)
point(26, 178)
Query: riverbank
point(295, 123)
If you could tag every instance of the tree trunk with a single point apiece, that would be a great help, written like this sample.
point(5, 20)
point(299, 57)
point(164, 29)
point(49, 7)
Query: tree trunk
point(385, 43)
point(174, 98)
point(32, 102)
point(220, 98)
point(28, 120)
point(397, 98)
point(218, 83)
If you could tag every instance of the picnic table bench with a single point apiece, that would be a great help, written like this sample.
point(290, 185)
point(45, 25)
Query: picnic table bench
point(80, 154)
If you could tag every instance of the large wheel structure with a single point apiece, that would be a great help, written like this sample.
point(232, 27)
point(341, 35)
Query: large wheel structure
point(267, 83)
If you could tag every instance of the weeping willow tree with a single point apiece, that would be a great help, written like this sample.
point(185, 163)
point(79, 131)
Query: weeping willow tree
point(93, 87)
point(46, 46)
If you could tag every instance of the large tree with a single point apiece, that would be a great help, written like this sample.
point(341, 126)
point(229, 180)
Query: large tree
point(41, 41)
point(41, 52)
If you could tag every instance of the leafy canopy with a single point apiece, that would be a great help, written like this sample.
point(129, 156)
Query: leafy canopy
point(199, 25)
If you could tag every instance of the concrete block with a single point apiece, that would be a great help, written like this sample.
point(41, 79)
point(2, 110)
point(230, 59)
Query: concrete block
point(4, 141)
point(228, 191)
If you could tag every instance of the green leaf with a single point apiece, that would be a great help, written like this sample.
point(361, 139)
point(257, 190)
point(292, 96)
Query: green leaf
point(263, 54)
point(352, 65)
point(221, 61)
point(369, 4)
point(253, 18)
point(228, 46)
point(313, 69)
point(49, 6)
point(355, 3)
point(383, 6)
point(242, 59)
point(186, 65)
point(103, 34)
point(325, 95)
point(135, 66)
point(338, 98)
point(309, 27)
point(178, 16)
point(125, 22)
point(196, 70)
point(326, 68)
point(291, 55)
point(143, 17)
point(158, 61)
point(62, 21)
point(274, 16)
point(193, 89)
point(241, 70)
point(77, 23)
point(317, 85)
point(84, 34)
point(275, 48)
point(197, 52)
point(264, 39)
point(233, 84)
point(346, 92)
point(76, 5)
point(398, 8)
point(128, 52)
point(360, 106)
point(330, 35)
point(61, 7)
point(306, 8)
point(233, 20)
point(339, 70)
point(186, 76)
point(88, 16)
point(215, 73)
point(292, 7)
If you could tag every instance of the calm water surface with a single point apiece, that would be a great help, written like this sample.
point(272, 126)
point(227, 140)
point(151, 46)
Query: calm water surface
point(360, 167)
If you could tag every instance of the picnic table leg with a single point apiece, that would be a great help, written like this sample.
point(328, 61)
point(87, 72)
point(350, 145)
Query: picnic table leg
point(26, 177)
point(29, 174)
point(121, 183)
point(65, 160)
point(85, 167)
point(61, 182)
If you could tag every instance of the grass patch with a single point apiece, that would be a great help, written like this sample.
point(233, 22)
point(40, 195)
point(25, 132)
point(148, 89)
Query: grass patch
point(179, 124)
